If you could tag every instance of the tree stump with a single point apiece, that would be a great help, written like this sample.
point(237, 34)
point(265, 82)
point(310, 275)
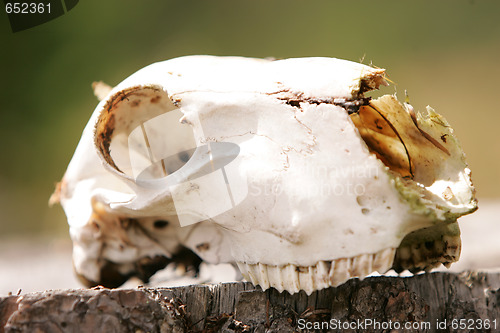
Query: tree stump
point(444, 302)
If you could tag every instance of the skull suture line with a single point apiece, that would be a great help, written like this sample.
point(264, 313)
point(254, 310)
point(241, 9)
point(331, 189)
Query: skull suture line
point(283, 167)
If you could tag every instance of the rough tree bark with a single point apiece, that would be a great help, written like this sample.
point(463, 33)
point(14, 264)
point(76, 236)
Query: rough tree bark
point(240, 307)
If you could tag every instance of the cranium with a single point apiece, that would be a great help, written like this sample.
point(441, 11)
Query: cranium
point(283, 167)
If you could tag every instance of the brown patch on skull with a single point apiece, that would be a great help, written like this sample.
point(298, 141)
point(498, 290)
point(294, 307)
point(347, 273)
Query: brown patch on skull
point(294, 103)
point(393, 133)
point(383, 139)
point(155, 99)
point(302, 269)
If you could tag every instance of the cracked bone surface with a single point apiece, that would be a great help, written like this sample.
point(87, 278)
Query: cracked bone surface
point(283, 167)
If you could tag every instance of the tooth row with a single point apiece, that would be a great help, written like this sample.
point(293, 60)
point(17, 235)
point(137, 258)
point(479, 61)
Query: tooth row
point(324, 274)
point(418, 257)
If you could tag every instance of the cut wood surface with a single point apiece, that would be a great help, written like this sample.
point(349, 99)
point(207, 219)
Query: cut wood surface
point(464, 302)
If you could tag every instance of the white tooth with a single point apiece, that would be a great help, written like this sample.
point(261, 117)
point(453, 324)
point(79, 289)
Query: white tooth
point(244, 270)
point(254, 274)
point(291, 279)
point(322, 269)
point(264, 280)
point(382, 261)
point(275, 277)
point(362, 266)
point(324, 274)
point(340, 271)
point(306, 279)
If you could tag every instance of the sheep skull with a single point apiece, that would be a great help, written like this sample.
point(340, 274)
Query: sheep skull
point(283, 167)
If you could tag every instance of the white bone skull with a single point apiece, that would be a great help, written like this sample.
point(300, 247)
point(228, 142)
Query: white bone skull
point(283, 167)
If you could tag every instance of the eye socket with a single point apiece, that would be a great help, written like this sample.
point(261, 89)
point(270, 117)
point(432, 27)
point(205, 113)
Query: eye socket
point(140, 128)
point(161, 224)
point(160, 146)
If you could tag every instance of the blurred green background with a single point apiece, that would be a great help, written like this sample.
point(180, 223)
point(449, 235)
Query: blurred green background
point(445, 53)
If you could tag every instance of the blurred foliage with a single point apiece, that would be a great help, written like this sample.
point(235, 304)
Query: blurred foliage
point(445, 53)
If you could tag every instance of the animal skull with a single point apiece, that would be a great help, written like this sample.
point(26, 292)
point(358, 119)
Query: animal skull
point(283, 167)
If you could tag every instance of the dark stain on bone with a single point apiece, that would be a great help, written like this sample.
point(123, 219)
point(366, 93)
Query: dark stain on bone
point(155, 99)
point(104, 139)
point(349, 232)
point(294, 103)
point(351, 106)
point(193, 187)
point(302, 269)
